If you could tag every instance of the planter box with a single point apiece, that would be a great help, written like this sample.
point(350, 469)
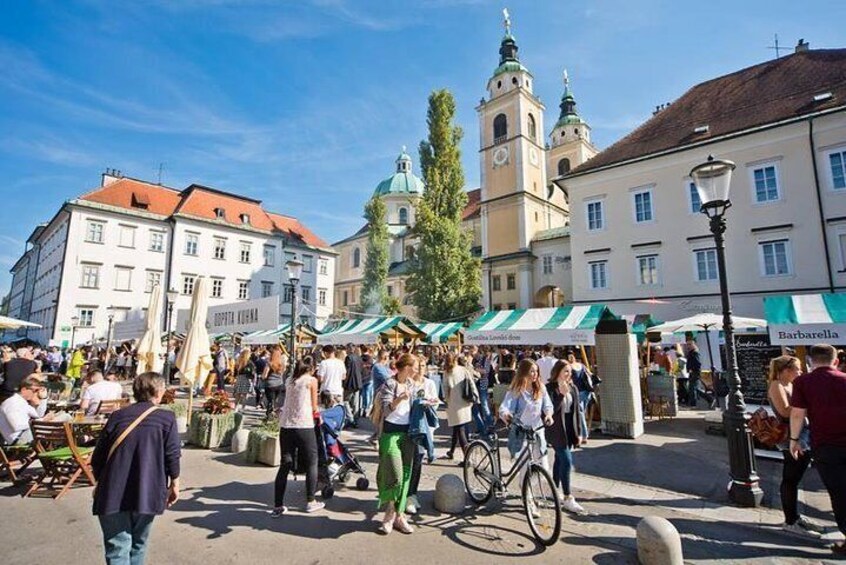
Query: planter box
point(181, 413)
point(213, 430)
point(263, 447)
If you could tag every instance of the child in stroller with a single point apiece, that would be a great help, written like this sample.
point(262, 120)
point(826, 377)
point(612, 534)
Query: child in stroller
point(334, 459)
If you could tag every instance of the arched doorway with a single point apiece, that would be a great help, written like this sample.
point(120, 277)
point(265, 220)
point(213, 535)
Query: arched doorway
point(549, 297)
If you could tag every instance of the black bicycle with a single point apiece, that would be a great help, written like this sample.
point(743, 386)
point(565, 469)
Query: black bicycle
point(483, 476)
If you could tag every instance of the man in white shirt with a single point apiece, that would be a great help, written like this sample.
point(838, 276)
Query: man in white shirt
point(331, 373)
point(546, 363)
point(100, 389)
point(16, 411)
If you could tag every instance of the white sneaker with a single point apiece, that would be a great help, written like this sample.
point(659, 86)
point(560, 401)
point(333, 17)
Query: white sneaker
point(412, 505)
point(797, 529)
point(571, 505)
point(314, 506)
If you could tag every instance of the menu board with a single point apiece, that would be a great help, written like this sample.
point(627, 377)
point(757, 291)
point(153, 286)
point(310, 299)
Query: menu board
point(754, 353)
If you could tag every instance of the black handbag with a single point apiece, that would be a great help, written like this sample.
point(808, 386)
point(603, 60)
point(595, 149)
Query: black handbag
point(469, 392)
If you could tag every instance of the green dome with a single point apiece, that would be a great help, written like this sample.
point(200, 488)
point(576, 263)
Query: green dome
point(401, 182)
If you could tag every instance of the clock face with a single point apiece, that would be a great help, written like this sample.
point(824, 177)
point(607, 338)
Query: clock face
point(533, 156)
point(500, 156)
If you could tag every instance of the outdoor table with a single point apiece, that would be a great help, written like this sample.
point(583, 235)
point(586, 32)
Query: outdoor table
point(62, 405)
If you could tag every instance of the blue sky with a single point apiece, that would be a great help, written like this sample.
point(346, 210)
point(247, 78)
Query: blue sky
point(305, 104)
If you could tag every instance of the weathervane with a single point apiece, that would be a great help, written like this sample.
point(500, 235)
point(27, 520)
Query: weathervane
point(506, 21)
point(566, 80)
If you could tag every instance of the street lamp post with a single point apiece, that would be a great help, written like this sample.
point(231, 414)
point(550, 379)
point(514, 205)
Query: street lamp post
point(170, 297)
point(713, 182)
point(74, 323)
point(295, 270)
point(109, 335)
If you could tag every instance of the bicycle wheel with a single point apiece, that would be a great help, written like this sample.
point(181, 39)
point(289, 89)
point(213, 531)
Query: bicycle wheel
point(542, 506)
point(478, 472)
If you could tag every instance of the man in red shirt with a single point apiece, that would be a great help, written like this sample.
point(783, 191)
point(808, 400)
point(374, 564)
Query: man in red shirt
point(821, 397)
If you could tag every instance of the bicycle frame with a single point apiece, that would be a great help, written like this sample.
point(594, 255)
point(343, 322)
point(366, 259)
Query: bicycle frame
point(524, 457)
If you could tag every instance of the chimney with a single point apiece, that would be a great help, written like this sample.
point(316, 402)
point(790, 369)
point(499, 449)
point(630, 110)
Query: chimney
point(801, 46)
point(110, 176)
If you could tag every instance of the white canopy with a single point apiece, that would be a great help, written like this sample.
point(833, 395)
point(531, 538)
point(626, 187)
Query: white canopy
point(707, 322)
point(7, 323)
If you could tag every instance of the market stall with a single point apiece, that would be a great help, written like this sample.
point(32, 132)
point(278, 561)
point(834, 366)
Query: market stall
point(443, 333)
point(371, 330)
point(279, 335)
point(806, 319)
point(565, 325)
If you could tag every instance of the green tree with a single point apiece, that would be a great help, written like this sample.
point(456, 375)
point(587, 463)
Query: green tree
point(445, 278)
point(374, 294)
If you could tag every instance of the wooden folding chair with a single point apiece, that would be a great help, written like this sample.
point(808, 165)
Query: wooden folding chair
point(62, 460)
point(109, 406)
point(14, 459)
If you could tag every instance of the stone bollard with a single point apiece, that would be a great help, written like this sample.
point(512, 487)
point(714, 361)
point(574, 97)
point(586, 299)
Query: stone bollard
point(239, 440)
point(450, 496)
point(658, 542)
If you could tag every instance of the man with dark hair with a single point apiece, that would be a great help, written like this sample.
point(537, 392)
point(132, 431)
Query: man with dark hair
point(694, 369)
point(28, 403)
point(821, 397)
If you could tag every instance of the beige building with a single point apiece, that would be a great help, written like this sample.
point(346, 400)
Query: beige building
point(525, 243)
point(400, 192)
point(636, 233)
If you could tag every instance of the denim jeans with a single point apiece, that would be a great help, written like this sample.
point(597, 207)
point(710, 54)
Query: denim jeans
point(584, 399)
point(562, 468)
point(366, 397)
point(125, 536)
point(482, 415)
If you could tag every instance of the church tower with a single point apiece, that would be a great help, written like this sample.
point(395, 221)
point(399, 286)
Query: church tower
point(570, 138)
point(515, 201)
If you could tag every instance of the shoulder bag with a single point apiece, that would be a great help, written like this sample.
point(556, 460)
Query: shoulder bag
point(123, 435)
point(469, 392)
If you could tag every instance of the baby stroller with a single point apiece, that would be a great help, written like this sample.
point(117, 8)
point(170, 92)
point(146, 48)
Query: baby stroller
point(336, 461)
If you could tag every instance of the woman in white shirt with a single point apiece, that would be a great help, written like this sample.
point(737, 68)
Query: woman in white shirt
point(396, 450)
point(425, 388)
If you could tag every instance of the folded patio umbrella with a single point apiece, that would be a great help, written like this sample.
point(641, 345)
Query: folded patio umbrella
point(150, 347)
point(194, 361)
point(7, 323)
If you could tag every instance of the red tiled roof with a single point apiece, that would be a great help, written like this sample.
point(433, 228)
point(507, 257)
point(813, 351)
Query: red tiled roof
point(125, 192)
point(473, 208)
point(201, 202)
point(763, 94)
point(295, 229)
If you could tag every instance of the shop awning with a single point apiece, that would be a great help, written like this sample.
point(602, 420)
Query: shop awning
point(270, 337)
point(440, 333)
point(369, 330)
point(566, 325)
point(806, 319)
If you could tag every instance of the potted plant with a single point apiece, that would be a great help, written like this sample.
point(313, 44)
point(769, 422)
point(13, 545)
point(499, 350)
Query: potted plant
point(179, 410)
point(215, 424)
point(263, 444)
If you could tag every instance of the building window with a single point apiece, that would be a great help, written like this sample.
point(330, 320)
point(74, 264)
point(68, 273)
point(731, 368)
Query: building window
point(390, 290)
point(403, 216)
point(497, 306)
point(217, 288)
point(647, 270)
point(533, 128)
point(766, 184)
point(266, 289)
point(126, 236)
point(598, 275)
point(512, 305)
point(220, 213)
point(595, 216)
point(706, 265)
point(123, 278)
point(245, 251)
point(306, 293)
point(308, 263)
point(323, 266)
point(356, 258)
point(510, 281)
point(86, 317)
point(563, 167)
point(643, 206)
point(219, 248)
point(500, 128)
point(695, 201)
point(157, 241)
point(269, 255)
point(547, 264)
point(90, 276)
point(837, 160)
point(188, 284)
point(245, 219)
point(496, 282)
point(288, 293)
point(321, 296)
point(243, 290)
point(94, 232)
point(775, 258)
point(191, 244)
point(154, 278)
point(841, 239)
point(346, 300)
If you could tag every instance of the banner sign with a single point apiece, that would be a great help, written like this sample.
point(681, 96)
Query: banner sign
point(807, 334)
point(530, 337)
point(244, 317)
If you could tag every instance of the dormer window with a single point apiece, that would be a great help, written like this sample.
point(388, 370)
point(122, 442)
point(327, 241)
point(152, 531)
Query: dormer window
point(245, 219)
point(140, 200)
point(220, 213)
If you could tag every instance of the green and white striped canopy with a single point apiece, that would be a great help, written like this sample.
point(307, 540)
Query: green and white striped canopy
point(440, 333)
point(567, 325)
point(806, 319)
point(369, 330)
point(266, 337)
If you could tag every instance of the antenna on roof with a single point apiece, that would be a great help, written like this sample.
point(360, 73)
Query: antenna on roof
point(776, 47)
point(161, 166)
